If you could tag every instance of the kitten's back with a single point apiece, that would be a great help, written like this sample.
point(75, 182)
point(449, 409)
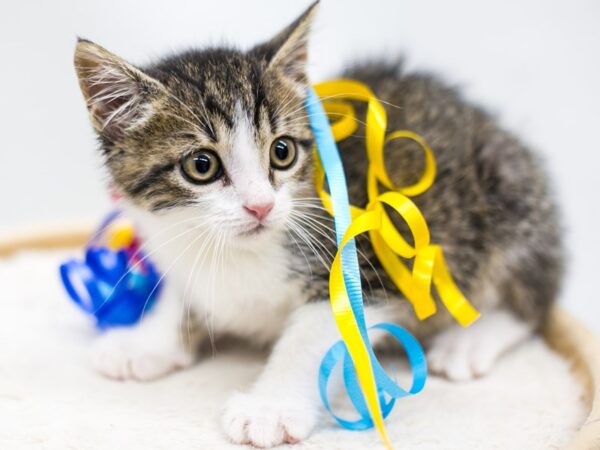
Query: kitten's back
point(489, 207)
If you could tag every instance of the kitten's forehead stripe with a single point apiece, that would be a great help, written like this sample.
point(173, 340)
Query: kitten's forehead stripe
point(210, 95)
point(259, 103)
point(220, 79)
point(260, 99)
point(206, 125)
point(271, 115)
point(214, 109)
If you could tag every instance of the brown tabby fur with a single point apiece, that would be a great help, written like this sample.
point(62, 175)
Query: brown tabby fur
point(490, 207)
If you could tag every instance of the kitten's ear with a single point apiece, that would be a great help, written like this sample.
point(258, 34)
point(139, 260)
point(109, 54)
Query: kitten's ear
point(287, 51)
point(118, 95)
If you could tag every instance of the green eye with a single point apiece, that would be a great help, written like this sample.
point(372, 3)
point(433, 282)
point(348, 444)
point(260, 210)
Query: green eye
point(201, 166)
point(283, 153)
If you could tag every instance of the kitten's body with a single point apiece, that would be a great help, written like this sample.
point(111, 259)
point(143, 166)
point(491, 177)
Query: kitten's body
point(489, 209)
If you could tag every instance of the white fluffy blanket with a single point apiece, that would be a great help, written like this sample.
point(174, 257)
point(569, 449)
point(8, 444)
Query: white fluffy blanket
point(51, 399)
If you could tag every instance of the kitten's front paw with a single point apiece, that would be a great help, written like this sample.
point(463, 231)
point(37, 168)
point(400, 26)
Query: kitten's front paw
point(267, 420)
point(123, 355)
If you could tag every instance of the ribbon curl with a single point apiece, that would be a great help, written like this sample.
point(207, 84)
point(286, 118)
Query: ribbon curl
point(428, 269)
point(115, 283)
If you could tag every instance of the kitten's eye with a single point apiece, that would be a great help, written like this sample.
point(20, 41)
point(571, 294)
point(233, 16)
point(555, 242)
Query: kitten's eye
point(283, 153)
point(201, 166)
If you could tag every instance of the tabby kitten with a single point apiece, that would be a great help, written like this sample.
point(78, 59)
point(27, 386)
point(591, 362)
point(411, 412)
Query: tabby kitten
point(211, 153)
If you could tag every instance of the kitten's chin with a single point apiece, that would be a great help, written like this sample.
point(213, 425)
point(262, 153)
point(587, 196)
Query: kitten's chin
point(254, 230)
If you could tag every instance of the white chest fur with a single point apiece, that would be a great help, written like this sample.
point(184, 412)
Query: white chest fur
point(246, 292)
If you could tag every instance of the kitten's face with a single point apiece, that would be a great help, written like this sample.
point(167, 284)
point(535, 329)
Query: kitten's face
point(218, 139)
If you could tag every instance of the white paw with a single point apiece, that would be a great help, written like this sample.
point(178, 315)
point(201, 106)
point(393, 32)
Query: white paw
point(455, 354)
point(267, 420)
point(123, 355)
point(465, 353)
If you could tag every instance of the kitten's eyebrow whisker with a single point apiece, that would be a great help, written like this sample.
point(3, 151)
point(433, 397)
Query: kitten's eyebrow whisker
point(177, 116)
point(329, 97)
point(298, 119)
point(285, 103)
point(301, 105)
point(305, 105)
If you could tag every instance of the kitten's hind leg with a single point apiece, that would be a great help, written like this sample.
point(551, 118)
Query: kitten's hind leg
point(464, 353)
point(148, 350)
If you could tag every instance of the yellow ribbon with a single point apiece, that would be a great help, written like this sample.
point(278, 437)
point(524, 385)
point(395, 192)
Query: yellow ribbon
point(428, 268)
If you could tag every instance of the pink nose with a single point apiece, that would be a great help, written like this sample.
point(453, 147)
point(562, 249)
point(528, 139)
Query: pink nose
point(260, 211)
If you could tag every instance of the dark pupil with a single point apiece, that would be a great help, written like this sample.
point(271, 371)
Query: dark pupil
point(202, 163)
point(281, 150)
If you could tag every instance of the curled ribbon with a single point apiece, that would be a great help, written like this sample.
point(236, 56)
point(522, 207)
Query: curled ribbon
point(429, 267)
point(115, 284)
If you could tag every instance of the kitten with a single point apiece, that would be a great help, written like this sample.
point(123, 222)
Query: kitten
point(211, 152)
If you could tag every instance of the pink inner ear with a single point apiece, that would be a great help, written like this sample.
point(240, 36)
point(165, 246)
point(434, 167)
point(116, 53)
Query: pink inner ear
point(111, 93)
point(114, 102)
point(104, 100)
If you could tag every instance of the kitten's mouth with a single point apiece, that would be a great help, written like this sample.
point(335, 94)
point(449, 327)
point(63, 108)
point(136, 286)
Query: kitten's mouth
point(254, 230)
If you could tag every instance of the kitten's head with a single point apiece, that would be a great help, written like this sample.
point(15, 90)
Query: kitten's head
point(217, 137)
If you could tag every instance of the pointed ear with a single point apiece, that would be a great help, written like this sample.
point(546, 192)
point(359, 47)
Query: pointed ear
point(287, 51)
point(118, 96)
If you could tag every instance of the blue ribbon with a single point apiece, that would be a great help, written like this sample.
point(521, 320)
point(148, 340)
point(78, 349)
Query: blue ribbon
point(109, 285)
point(336, 181)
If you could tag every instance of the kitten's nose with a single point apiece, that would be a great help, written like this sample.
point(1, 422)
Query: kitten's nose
point(259, 210)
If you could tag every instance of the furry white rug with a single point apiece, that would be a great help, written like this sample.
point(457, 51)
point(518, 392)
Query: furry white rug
point(51, 399)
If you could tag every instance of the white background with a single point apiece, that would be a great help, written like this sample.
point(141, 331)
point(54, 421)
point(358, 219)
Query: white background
point(535, 63)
